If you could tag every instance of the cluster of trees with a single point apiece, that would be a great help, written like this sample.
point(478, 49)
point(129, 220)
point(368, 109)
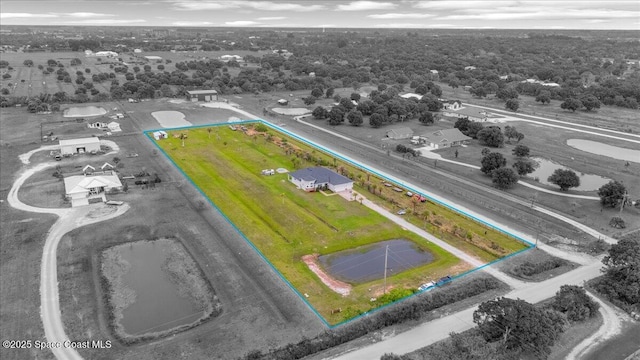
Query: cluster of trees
point(491, 135)
point(621, 280)
point(412, 309)
point(494, 164)
point(597, 74)
point(513, 329)
point(383, 106)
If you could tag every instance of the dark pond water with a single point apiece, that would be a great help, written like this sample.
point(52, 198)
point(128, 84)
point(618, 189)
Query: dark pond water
point(158, 305)
point(588, 182)
point(366, 263)
point(599, 148)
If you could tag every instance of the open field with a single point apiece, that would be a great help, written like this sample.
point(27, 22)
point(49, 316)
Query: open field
point(609, 117)
point(30, 81)
point(546, 142)
point(251, 202)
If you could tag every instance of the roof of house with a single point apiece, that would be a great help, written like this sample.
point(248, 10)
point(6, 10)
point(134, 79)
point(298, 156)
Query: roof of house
point(321, 175)
point(80, 141)
point(201, 92)
point(445, 136)
point(403, 131)
point(81, 184)
point(411, 95)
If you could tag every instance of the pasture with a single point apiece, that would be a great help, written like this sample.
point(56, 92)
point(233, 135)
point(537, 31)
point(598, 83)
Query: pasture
point(284, 223)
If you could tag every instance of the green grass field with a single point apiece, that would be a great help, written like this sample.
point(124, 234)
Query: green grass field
point(285, 223)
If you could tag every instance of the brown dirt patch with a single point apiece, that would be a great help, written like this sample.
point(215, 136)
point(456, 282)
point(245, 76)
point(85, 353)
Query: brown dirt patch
point(338, 286)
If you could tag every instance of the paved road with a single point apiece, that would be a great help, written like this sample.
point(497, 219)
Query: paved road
point(428, 154)
point(592, 130)
point(475, 262)
point(68, 219)
point(439, 329)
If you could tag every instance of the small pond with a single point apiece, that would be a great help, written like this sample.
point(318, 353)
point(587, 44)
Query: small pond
point(366, 263)
point(599, 148)
point(158, 305)
point(588, 182)
point(291, 111)
point(170, 119)
point(81, 111)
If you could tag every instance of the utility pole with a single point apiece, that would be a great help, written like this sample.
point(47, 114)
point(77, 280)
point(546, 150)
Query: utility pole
point(625, 198)
point(386, 252)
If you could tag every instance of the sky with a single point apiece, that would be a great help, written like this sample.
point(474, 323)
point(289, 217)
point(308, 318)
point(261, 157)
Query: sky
point(498, 14)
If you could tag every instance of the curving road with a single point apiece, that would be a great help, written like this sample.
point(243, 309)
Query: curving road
point(68, 219)
point(564, 125)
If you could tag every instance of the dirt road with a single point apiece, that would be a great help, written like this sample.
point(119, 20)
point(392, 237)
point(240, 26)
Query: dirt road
point(68, 219)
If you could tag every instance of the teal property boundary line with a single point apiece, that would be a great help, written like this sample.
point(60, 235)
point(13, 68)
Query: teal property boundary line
point(149, 135)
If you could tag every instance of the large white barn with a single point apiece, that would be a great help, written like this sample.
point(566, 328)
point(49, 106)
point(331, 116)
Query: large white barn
point(79, 146)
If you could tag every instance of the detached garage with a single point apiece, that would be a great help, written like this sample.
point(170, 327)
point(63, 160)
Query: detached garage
point(202, 95)
point(79, 146)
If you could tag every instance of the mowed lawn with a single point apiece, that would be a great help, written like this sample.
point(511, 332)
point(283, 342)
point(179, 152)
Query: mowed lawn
point(285, 223)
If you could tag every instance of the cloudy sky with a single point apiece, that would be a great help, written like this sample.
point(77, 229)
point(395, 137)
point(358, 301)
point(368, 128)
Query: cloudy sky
point(501, 14)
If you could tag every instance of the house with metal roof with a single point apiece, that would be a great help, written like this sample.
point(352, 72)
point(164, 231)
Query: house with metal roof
point(202, 95)
point(444, 138)
point(472, 113)
point(400, 133)
point(315, 178)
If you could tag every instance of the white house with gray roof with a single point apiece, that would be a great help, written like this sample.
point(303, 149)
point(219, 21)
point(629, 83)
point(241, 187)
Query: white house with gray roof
point(314, 178)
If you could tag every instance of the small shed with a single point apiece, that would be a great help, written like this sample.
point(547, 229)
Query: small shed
point(400, 133)
point(202, 95)
point(160, 135)
point(79, 146)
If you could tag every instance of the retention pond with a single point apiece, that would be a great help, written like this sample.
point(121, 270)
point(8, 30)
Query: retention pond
point(80, 111)
point(599, 148)
point(588, 182)
point(170, 119)
point(159, 304)
point(366, 263)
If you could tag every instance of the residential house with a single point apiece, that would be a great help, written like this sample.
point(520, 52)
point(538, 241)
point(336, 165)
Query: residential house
point(472, 113)
point(400, 133)
point(451, 104)
point(79, 146)
point(315, 178)
point(81, 189)
point(444, 138)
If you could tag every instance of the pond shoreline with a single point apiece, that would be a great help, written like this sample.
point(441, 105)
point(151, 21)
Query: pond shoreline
point(180, 269)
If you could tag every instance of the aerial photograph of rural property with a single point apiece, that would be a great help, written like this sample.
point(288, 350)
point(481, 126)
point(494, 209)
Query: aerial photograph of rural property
point(331, 179)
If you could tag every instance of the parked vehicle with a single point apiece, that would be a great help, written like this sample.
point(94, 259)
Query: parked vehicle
point(427, 286)
point(402, 212)
point(444, 280)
